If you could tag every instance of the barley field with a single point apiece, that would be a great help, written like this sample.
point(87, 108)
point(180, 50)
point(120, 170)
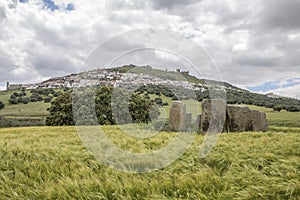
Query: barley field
point(52, 163)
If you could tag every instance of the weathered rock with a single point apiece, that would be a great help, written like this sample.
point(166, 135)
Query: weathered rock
point(260, 122)
point(187, 120)
point(177, 116)
point(239, 119)
point(213, 115)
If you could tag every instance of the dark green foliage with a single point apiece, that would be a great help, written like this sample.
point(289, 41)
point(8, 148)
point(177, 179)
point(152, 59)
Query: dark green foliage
point(56, 94)
point(21, 122)
point(158, 101)
point(61, 111)
point(48, 99)
point(20, 100)
point(165, 104)
point(292, 108)
point(13, 101)
point(246, 97)
point(39, 98)
point(277, 108)
point(25, 101)
point(2, 105)
point(125, 108)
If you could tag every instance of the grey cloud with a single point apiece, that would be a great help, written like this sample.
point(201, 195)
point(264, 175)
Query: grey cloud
point(250, 59)
point(282, 14)
point(2, 14)
point(169, 4)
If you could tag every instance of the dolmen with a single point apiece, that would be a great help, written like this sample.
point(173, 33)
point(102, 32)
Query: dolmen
point(218, 116)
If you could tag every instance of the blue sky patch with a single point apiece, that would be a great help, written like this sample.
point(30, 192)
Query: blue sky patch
point(50, 5)
point(275, 85)
point(70, 7)
point(23, 1)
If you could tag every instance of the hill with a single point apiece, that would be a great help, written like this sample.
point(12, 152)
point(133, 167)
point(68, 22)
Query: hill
point(29, 107)
point(146, 75)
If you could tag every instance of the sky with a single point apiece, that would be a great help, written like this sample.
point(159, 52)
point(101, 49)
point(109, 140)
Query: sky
point(255, 44)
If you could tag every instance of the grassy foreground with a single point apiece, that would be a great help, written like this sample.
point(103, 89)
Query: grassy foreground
point(52, 163)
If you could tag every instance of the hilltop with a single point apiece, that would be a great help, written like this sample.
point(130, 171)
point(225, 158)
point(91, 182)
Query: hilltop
point(131, 75)
point(160, 85)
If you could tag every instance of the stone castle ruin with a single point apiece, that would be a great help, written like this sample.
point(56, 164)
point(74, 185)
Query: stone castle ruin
point(218, 116)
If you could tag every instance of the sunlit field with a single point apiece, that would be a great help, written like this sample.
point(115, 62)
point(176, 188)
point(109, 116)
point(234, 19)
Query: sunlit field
point(52, 163)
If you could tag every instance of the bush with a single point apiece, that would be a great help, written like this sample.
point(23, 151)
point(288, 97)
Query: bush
point(48, 99)
point(25, 101)
point(292, 109)
point(158, 101)
point(39, 98)
point(277, 108)
point(2, 105)
point(20, 100)
point(13, 101)
point(165, 104)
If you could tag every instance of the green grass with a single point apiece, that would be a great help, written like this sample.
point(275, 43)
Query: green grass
point(30, 110)
point(36, 109)
point(52, 163)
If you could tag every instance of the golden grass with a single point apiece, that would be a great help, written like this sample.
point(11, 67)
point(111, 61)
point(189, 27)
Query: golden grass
point(52, 163)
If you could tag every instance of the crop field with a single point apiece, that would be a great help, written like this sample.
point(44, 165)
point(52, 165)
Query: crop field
point(52, 163)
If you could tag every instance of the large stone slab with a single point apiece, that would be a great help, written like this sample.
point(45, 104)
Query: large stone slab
point(239, 119)
point(213, 115)
point(260, 122)
point(177, 119)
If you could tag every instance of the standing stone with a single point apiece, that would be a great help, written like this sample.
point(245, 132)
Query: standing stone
point(213, 115)
point(187, 121)
point(177, 116)
point(239, 119)
point(260, 122)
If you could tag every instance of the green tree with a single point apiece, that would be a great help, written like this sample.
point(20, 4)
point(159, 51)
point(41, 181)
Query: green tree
point(61, 111)
point(2, 105)
point(88, 105)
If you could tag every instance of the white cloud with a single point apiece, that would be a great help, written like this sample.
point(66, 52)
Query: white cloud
point(251, 42)
point(291, 91)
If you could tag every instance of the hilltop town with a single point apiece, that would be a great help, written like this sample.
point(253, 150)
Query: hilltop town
point(117, 77)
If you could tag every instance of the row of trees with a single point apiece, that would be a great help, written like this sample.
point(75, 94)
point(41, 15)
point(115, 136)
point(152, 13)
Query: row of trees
point(105, 106)
point(233, 96)
point(37, 95)
point(278, 104)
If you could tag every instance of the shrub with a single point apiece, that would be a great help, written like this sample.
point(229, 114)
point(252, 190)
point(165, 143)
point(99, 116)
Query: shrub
point(25, 101)
point(48, 99)
point(2, 105)
point(20, 100)
point(13, 101)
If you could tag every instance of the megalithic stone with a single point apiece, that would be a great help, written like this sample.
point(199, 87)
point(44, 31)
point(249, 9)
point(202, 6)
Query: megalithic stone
point(187, 121)
point(213, 115)
point(239, 119)
point(260, 122)
point(177, 116)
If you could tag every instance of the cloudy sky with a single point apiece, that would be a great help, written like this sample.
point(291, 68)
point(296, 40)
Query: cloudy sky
point(255, 44)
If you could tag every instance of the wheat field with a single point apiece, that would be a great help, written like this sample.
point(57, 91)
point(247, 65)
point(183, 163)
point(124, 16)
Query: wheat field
point(52, 163)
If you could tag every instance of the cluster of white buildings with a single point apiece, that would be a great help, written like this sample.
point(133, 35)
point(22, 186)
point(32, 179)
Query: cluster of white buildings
point(110, 78)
